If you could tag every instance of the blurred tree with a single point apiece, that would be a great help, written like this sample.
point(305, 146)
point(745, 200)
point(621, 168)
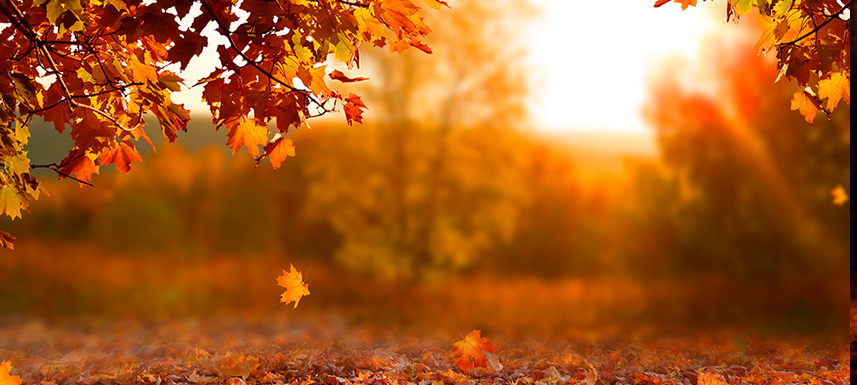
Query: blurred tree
point(430, 185)
point(747, 193)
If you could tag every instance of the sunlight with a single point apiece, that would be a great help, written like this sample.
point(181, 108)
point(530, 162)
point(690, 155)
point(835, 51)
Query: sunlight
point(591, 60)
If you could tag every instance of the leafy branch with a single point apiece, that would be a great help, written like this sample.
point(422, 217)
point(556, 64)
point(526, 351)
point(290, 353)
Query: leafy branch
point(818, 27)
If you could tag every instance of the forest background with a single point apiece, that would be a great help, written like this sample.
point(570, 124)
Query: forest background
point(447, 210)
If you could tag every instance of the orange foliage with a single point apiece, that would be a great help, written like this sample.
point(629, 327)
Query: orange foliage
point(471, 351)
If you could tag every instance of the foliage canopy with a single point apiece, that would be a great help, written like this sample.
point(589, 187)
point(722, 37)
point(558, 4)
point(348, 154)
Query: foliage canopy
point(100, 66)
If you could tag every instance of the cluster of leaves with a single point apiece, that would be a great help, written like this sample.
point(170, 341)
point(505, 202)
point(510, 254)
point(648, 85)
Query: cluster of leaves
point(812, 40)
point(100, 66)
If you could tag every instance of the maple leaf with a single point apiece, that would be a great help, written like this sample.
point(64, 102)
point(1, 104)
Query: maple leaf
point(122, 154)
point(277, 151)
point(804, 102)
point(6, 378)
point(470, 352)
point(246, 132)
point(10, 201)
point(354, 109)
point(79, 164)
point(338, 75)
point(835, 88)
point(839, 195)
point(294, 284)
point(661, 2)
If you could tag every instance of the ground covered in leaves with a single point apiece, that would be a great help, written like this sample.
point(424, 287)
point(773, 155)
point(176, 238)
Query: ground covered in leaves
point(329, 351)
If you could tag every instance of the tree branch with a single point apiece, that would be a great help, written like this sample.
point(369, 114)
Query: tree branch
point(225, 32)
point(817, 27)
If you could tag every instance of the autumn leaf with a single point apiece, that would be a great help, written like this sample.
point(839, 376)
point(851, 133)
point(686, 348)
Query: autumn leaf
point(246, 132)
point(80, 165)
point(835, 88)
point(470, 352)
point(354, 109)
point(661, 2)
point(10, 201)
point(803, 102)
point(277, 151)
point(839, 195)
point(121, 154)
point(294, 284)
point(338, 75)
point(6, 378)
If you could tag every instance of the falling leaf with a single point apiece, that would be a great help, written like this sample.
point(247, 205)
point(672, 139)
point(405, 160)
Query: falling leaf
point(470, 352)
point(294, 284)
point(661, 2)
point(6, 378)
point(839, 195)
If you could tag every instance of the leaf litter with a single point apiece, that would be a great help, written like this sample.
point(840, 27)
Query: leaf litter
point(326, 352)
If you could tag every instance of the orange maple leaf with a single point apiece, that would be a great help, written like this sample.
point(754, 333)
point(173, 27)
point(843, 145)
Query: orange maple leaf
point(79, 164)
point(470, 352)
point(835, 88)
point(246, 132)
point(295, 286)
point(354, 109)
point(804, 102)
point(6, 378)
point(277, 151)
point(122, 154)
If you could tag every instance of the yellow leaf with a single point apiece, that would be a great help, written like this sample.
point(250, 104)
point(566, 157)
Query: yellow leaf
point(835, 88)
point(803, 102)
point(295, 286)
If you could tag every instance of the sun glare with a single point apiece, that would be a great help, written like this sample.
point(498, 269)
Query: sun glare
point(592, 59)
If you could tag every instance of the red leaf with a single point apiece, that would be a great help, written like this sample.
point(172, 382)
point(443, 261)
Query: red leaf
point(79, 164)
point(354, 109)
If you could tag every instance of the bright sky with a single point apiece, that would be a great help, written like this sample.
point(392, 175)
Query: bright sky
point(590, 59)
point(593, 58)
